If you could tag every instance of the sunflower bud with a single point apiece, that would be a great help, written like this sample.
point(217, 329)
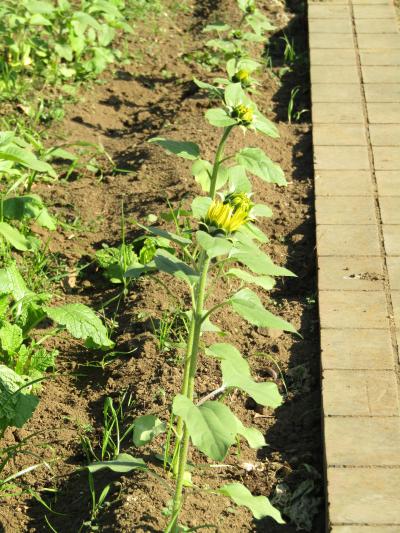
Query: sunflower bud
point(250, 8)
point(224, 217)
point(243, 114)
point(239, 200)
point(237, 34)
point(243, 77)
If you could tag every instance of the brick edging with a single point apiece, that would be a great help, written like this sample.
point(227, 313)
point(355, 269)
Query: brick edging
point(355, 85)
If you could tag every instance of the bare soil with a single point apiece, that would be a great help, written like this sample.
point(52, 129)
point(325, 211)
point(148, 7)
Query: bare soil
point(155, 96)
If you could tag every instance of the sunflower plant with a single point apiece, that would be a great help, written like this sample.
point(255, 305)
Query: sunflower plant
point(218, 238)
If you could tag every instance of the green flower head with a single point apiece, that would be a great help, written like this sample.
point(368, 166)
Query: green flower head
point(251, 7)
point(239, 200)
point(243, 114)
point(242, 76)
point(237, 34)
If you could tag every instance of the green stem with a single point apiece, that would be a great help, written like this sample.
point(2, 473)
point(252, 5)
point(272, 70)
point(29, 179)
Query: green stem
point(188, 387)
point(191, 355)
point(217, 161)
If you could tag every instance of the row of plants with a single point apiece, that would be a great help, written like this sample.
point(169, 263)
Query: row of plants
point(44, 45)
point(217, 239)
point(214, 241)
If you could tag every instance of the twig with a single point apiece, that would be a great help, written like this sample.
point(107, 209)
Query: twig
point(211, 395)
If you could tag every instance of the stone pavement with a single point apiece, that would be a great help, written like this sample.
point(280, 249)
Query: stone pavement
point(355, 82)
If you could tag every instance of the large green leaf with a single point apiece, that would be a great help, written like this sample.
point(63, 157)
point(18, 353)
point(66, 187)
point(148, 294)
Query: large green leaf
point(248, 305)
point(200, 206)
point(11, 282)
point(28, 206)
point(82, 323)
point(258, 505)
point(214, 92)
point(185, 149)
point(234, 95)
point(236, 373)
point(218, 117)
point(238, 180)
point(123, 464)
point(16, 403)
point(201, 170)
point(263, 125)
point(258, 163)
point(257, 260)
point(26, 158)
point(146, 428)
point(15, 237)
point(10, 338)
point(212, 426)
point(266, 282)
point(169, 263)
point(214, 246)
point(261, 210)
point(182, 241)
point(248, 232)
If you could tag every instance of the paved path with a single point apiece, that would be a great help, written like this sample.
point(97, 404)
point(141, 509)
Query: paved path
point(355, 76)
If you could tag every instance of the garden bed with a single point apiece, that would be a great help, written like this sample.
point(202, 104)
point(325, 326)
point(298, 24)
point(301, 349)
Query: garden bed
point(155, 96)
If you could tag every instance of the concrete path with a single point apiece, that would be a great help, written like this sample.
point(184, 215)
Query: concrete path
point(355, 77)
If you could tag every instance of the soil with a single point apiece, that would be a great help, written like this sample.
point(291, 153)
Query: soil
point(154, 95)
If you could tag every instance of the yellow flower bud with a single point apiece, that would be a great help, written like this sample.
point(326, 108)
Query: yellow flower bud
point(243, 113)
point(239, 200)
point(226, 217)
point(243, 77)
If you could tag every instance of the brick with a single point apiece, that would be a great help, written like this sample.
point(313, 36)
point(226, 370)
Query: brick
point(335, 92)
point(384, 113)
point(391, 237)
point(369, 441)
point(386, 41)
point(376, 92)
point(359, 393)
point(364, 495)
point(329, 25)
point(386, 157)
point(334, 113)
point(331, 40)
point(341, 157)
point(348, 240)
point(385, 134)
point(364, 529)
point(342, 210)
point(374, 12)
point(339, 134)
point(380, 25)
point(370, 2)
point(390, 209)
point(323, 11)
point(350, 273)
point(354, 309)
point(379, 57)
point(388, 182)
point(332, 57)
point(322, 74)
point(396, 307)
point(356, 349)
point(393, 265)
point(380, 75)
point(343, 182)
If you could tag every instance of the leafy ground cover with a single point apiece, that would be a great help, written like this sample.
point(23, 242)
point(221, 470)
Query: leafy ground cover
point(89, 404)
